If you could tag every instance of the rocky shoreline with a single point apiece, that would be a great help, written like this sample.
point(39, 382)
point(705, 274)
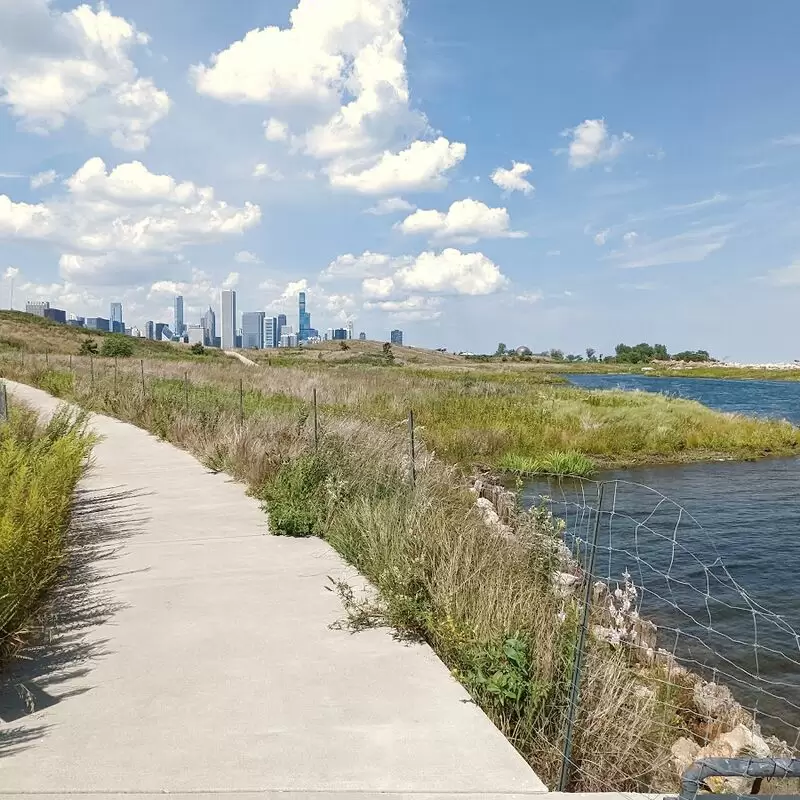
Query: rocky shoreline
point(715, 724)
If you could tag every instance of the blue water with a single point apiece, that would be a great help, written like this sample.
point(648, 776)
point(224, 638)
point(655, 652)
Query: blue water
point(714, 549)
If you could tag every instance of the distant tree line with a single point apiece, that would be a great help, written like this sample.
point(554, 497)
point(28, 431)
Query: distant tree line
point(642, 353)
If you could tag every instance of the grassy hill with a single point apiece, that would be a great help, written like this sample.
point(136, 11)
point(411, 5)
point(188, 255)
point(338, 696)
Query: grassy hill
point(28, 333)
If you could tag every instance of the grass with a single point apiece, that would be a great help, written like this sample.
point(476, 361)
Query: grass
point(561, 463)
point(39, 468)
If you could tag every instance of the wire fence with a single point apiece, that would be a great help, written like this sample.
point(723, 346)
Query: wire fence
point(666, 637)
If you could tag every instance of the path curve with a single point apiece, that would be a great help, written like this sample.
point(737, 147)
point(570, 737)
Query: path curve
point(217, 671)
point(244, 359)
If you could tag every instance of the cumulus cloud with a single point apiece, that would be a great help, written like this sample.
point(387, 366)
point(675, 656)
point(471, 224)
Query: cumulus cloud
point(113, 224)
point(591, 143)
point(465, 221)
point(421, 166)
point(246, 257)
point(42, 179)
point(10, 273)
point(60, 65)
point(513, 180)
point(378, 287)
point(785, 276)
point(275, 130)
point(601, 236)
point(364, 266)
point(630, 238)
point(264, 171)
point(390, 205)
point(416, 308)
point(231, 281)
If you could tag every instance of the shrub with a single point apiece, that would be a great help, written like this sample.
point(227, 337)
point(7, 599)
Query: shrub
point(88, 347)
point(117, 346)
point(197, 349)
point(295, 499)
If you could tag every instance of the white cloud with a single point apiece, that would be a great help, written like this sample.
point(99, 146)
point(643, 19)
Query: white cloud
point(451, 272)
point(59, 65)
point(513, 180)
point(416, 308)
point(232, 281)
point(364, 266)
point(113, 225)
point(785, 276)
point(10, 273)
point(685, 248)
point(275, 130)
point(199, 290)
point(630, 238)
point(42, 179)
point(390, 205)
point(264, 171)
point(246, 257)
point(591, 143)
point(378, 287)
point(465, 221)
point(791, 140)
point(419, 167)
point(529, 297)
point(341, 65)
point(601, 236)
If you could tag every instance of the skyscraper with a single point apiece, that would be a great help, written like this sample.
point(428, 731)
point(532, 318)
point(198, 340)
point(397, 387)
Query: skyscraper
point(209, 323)
point(272, 336)
point(397, 337)
point(253, 329)
point(178, 328)
point(150, 329)
point(362, 337)
point(117, 325)
point(350, 329)
point(228, 319)
point(304, 319)
point(37, 307)
point(281, 324)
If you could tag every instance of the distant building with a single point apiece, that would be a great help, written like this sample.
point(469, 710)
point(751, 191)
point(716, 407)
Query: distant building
point(329, 335)
point(228, 319)
point(350, 329)
point(362, 337)
point(162, 332)
point(135, 332)
point(209, 322)
point(304, 319)
point(98, 323)
point(150, 329)
point(178, 315)
point(76, 322)
point(289, 339)
point(271, 334)
point(253, 330)
point(281, 324)
point(56, 314)
point(37, 307)
point(197, 334)
point(397, 337)
point(117, 325)
point(339, 334)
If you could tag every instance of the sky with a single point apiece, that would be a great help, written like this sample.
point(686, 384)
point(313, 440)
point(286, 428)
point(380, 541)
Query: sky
point(551, 174)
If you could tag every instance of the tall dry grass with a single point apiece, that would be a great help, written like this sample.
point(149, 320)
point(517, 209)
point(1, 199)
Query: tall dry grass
point(485, 601)
point(40, 465)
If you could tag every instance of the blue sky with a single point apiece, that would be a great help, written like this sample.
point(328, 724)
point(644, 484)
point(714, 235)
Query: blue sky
point(363, 150)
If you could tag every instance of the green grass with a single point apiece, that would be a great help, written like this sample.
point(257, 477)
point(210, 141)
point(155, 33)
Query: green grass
point(557, 463)
point(39, 468)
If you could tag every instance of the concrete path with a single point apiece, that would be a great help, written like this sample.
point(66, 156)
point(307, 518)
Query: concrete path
point(244, 359)
point(192, 654)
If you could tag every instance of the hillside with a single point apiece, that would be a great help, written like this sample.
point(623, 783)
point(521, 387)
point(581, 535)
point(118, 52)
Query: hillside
point(28, 333)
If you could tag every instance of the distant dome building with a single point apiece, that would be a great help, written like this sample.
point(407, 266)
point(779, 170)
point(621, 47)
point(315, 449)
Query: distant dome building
point(523, 351)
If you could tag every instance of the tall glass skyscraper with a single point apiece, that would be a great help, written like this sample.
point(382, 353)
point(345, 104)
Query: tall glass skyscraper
point(179, 315)
point(209, 322)
point(253, 329)
point(304, 321)
point(228, 319)
point(117, 325)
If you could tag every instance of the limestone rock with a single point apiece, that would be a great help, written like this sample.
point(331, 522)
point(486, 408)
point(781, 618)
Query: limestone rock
point(684, 754)
point(738, 743)
point(713, 700)
point(565, 583)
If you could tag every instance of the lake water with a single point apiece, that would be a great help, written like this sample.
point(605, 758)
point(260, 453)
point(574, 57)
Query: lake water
point(714, 549)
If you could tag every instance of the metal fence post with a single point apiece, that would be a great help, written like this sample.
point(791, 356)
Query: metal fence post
point(316, 423)
point(70, 362)
point(412, 448)
point(91, 367)
point(577, 665)
point(241, 400)
point(186, 390)
point(144, 390)
point(115, 374)
point(47, 358)
point(4, 404)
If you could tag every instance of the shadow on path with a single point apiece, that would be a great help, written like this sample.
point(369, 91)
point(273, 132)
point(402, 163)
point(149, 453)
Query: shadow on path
point(64, 642)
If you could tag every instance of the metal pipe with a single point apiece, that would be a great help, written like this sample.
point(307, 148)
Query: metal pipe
point(694, 777)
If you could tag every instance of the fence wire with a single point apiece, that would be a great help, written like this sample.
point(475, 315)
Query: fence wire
point(719, 670)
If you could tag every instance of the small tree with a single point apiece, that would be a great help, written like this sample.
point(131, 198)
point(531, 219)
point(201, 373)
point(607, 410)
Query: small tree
point(117, 346)
point(197, 349)
point(590, 352)
point(501, 349)
point(344, 346)
point(387, 351)
point(88, 347)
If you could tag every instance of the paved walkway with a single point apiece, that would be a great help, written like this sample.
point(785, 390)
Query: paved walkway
point(196, 658)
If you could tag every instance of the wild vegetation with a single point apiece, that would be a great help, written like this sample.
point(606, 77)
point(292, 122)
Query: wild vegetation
point(484, 601)
point(40, 465)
